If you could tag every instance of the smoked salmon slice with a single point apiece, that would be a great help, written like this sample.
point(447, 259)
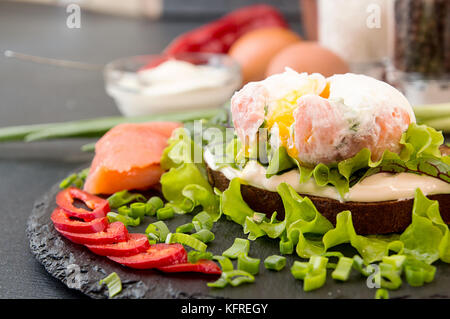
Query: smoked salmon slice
point(128, 156)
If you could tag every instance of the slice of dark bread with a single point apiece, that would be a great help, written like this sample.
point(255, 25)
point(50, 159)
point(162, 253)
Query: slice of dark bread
point(368, 217)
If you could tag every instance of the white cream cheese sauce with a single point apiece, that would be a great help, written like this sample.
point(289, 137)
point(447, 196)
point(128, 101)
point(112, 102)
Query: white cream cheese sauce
point(375, 188)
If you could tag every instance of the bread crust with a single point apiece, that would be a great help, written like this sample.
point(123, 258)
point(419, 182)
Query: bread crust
point(368, 217)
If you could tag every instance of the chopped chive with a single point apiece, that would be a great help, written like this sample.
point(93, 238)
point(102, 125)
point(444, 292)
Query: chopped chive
point(275, 262)
point(240, 245)
point(185, 228)
point(113, 283)
point(204, 235)
point(248, 264)
point(164, 213)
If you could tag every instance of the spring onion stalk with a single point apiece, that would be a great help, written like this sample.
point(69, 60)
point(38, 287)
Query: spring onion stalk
point(225, 263)
point(124, 197)
point(240, 245)
point(203, 221)
point(194, 256)
point(204, 235)
point(124, 210)
point(94, 127)
point(343, 269)
point(275, 262)
point(126, 220)
point(164, 213)
point(153, 204)
point(159, 229)
point(185, 228)
point(90, 147)
point(248, 264)
point(113, 283)
point(137, 210)
point(187, 240)
point(382, 294)
point(432, 111)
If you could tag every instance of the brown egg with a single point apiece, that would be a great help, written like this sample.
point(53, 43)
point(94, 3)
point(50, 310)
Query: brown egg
point(255, 49)
point(307, 57)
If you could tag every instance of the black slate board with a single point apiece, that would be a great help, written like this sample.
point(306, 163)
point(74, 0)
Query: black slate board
point(80, 269)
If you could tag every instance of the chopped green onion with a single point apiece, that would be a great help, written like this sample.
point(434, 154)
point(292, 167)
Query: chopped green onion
point(286, 247)
point(113, 283)
point(126, 220)
point(417, 276)
point(164, 213)
point(240, 245)
point(390, 277)
point(124, 210)
point(315, 279)
point(258, 217)
point(395, 260)
point(248, 264)
point(187, 240)
point(358, 264)
point(238, 277)
point(203, 221)
point(382, 294)
point(159, 229)
point(194, 256)
point(275, 262)
point(204, 235)
point(224, 262)
point(153, 204)
point(137, 210)
point(185, 228)
point(343, 269)
point(68, 181)
point(300, 269)
point(124, 197)
point(318, 262)
point(219, 283)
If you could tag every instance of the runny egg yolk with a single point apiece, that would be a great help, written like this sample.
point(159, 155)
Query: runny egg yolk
point(281, 113)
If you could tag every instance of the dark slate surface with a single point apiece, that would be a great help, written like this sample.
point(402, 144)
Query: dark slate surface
point(81, 270)
point(33, 93)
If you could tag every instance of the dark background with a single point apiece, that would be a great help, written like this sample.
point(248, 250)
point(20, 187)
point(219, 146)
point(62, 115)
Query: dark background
point(33, 93)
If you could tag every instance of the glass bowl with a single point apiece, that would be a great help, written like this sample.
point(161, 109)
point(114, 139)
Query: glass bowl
point(143, 85)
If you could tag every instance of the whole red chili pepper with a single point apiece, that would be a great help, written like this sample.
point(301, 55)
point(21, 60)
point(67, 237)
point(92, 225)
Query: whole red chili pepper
point(219, 35)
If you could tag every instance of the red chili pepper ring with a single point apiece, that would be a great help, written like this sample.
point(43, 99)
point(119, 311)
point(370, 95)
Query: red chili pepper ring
point(65, 200)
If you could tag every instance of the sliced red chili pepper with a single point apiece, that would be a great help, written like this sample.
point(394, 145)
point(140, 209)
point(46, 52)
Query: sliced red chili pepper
point(219, 35)
point(158, 255)
point(113, 233)
point(135, 244)
point(203, 266)
point(63, 222)
point(66, 198)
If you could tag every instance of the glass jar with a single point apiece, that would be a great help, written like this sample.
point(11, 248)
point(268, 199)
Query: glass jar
point(420, 50)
